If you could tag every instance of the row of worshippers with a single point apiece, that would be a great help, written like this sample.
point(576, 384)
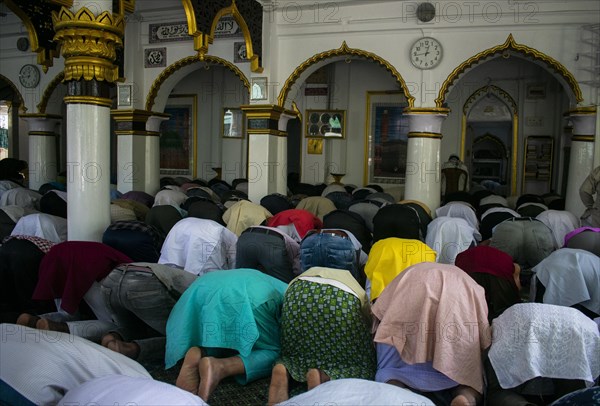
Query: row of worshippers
point(256, 346)
point(242, 220)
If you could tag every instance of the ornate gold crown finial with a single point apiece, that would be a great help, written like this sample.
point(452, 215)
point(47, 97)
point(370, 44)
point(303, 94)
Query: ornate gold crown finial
point(89, 43)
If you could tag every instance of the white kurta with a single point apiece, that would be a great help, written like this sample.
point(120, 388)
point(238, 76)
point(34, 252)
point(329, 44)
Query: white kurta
point(199, 246)
point(43, 365)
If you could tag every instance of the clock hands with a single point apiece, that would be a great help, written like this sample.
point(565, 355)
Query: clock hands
point(424, 54)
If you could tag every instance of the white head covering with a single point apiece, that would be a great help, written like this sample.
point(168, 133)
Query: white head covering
point(561, 223)
point(449, 236)
point(493, 199)
point(20, 197)
point(16, 212)
point(571, 276)
point(350, 392)
point(46, 226)
point(127, 390)
point(199, 246)
point(459, 210)
point(500, 210)
point(540, 340)
point(173, 197)
point(334, 187)
point(7, 185)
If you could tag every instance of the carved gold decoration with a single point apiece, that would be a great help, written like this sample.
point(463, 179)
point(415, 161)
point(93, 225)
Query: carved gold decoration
point(135, 115)
point(506, 98)
point(49, 90)
point(65, 3)
point(583, 138)
point(98, 101)
point(89, 43)
point(344, 50)
point(164, 75)
point(504, 50)
point(126, 6)
point(427, 110)
point(15, 90)
point(581, 111)
point(41, 115)
point(44, 56)
point(420, 134)
point(203, 40)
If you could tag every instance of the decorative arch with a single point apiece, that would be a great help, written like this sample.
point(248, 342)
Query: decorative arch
point(18, 94)
point(344, 50)
point(203, 40)
point(171, 69)
point(505, 50)
point(507, 99)
point(48, 92)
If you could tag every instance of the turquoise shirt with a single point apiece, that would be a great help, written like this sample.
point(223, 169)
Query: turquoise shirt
point(234, 309)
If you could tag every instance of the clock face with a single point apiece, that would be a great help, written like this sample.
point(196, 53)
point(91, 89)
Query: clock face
point(426, 53)
point(29, 76)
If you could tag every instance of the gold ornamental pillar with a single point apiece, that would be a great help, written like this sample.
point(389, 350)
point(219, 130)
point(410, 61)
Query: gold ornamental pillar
point(423, 173)
point(89, 35)
point(266, 126)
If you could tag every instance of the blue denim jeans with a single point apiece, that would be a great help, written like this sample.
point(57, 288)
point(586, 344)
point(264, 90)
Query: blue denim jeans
point(330, 251)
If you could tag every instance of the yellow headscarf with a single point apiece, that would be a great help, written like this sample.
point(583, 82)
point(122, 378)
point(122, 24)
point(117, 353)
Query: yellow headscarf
point(390, 256)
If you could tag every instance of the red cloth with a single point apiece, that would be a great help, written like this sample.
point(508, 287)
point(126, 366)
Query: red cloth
point(70, 268)
point(303, 220)
point(486, 259)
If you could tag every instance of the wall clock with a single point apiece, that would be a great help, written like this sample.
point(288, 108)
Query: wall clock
point(426, 53)
point(29, 76)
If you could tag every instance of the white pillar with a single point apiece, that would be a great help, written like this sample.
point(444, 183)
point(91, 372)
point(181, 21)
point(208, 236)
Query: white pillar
point(43, 165)
point(582, 156)
point(152, 153)
point(88, 46)
point(267, 149)
point(130, 128)
point(423, 176)
point(88, 171)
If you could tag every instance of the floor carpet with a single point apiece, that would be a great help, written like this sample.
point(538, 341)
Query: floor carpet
point(229, 392)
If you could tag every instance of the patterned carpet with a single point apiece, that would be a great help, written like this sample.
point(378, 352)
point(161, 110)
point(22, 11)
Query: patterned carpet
point(228, 392)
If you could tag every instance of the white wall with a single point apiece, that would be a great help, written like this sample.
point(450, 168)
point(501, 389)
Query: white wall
point(216, 88)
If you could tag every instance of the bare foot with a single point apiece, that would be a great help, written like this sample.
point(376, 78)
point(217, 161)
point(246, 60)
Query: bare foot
point(189, 374)
point(278, 390)
point(28, 320)
point(315, 377)
point(131, 350)
point(465, 396)
point(45, 324)
point(211, 373)
point(110, 337)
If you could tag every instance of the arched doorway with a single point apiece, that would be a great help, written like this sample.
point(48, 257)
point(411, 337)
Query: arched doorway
point(339, 82)
point(11, 104)
point(489, 142)
point(541, 90)
point(206, 95)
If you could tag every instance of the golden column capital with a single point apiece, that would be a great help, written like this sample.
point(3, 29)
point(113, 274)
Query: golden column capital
point(89, 43)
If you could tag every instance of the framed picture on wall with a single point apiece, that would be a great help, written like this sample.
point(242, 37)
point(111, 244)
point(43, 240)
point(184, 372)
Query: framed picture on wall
point(325, 123)
point(387, 135)
point(233, 123)
point(178, 136)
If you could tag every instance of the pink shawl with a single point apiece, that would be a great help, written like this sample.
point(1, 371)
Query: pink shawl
point(436, 312)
